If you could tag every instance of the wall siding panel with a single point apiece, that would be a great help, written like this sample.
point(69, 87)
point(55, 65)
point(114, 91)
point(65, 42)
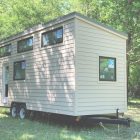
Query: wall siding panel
point(50, 73)
point(64, 78)
point(94, 96)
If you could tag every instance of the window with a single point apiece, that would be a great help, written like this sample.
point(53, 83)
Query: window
point(58, 35)
point(25, 45)
point(107, 69)
point(19, 70)
point(52, 37)
point(5, 50)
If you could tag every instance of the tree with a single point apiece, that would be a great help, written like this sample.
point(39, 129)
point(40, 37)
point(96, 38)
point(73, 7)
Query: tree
point(124, 15)
point(15, 15)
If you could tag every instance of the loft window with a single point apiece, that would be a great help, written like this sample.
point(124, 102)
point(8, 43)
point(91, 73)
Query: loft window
point(52, 37)
point(107, 68)
point(25, 45)
point(58, 35)
point(19, 70)
point(5, 50)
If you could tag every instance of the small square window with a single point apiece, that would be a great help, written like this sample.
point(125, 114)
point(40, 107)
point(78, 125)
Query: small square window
point(19, 70)
point(25, 45)
point(107, 69)
point(5, 50)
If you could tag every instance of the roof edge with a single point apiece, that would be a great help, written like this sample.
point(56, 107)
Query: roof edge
point(102, 25)
point(59, 20)
point(39, 27)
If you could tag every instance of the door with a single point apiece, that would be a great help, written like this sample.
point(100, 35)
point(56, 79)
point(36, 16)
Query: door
point(5, 83)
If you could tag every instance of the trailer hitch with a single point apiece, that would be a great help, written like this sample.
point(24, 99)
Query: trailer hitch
point(97, 120)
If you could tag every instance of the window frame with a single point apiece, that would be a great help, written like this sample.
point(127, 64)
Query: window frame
point(10, 45)
point(51, 31)
point(115, 69)
point(31, 37)
point(15, 71)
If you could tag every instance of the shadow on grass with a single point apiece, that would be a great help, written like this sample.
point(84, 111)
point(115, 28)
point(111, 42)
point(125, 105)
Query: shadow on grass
point(87, 131)
point(60, 120)
point(45, 126)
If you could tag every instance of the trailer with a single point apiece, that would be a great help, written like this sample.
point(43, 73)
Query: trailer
point(72, 65)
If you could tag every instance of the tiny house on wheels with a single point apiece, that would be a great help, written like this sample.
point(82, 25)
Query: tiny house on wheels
point(72, 66)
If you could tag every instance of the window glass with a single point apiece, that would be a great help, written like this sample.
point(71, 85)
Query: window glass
point(25, 45)
point(107, 69)
point(19, 70)
point(58, 35)
point(45, 39)
point(52, 37)
point(30, 42)
point(5, 50)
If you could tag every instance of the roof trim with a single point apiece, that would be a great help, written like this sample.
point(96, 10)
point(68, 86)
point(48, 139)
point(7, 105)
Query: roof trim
point(38, 27)
point(60, 20)
point(101, 25)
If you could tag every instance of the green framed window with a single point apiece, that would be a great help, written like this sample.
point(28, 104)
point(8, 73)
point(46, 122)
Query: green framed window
point(5, 50)
point(25, 45)
point(52, 37)
point(19, 70)
point(107, 68)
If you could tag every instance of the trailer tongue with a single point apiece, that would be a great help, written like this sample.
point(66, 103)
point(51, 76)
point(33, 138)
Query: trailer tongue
point(104, 120)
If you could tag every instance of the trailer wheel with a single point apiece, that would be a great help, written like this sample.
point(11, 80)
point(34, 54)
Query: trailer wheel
point(13, 110)
point(22, 112)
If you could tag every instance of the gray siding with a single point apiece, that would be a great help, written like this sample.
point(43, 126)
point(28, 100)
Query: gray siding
point(50, 74)
point(94, 96)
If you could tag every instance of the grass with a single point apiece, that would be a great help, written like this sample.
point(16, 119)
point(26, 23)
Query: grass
point(134, 100)
point(16, 129)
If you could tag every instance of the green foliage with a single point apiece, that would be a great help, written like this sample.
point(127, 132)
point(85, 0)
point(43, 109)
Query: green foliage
point(134, 80)
point(15, 15)
point(124, 15)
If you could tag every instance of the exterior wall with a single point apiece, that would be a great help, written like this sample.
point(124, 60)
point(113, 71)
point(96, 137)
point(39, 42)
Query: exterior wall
point(94, 96)
point(50, 73)
point(55, 73)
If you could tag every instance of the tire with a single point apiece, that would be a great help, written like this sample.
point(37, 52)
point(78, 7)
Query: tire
point(22, 112)
point(13, 110)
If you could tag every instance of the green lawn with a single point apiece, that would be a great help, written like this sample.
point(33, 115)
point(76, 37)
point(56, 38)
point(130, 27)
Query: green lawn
point(16, 129)
point(134, 100)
